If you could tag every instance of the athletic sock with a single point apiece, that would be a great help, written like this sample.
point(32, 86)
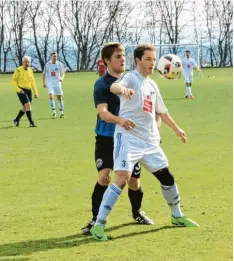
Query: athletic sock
point(29, 115)
point(109, 199)
point(172, 196)
point(187, 91)
point(61, 106)
point(97, 196)
point(20, 114)
point(52, 105)
point(135, 197)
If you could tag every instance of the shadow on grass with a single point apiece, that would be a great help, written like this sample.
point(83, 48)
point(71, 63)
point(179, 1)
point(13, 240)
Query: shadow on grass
point(7, 127)
point(14, 259)
point(43, 119)
point(32, 246)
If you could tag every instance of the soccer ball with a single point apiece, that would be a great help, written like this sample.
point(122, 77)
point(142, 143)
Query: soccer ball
point(170, 66)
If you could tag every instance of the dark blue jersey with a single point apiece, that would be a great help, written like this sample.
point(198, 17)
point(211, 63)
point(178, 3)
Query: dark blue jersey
point(102, 94)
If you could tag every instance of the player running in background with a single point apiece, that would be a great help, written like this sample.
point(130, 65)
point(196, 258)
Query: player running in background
point(23, 80)
point(101, 67)
point(188, 65)
point(142, 142)
point(107, 104)
point(53, 76)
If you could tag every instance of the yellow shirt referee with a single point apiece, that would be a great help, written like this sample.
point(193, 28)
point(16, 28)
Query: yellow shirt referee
point(23, 81)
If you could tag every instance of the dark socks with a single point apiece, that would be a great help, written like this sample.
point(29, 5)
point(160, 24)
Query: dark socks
point(135, 199)
point(97, 196)
point(20, 114)
point(29, 115)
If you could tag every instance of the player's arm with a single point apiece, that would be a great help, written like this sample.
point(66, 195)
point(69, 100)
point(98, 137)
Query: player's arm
point(44, 77)
point(196, 66)
point(123, 86)
point(107, 116)
point(14, 81)
point(158, 120)
point(62, 74)
point(34, 85)
point(161, 111)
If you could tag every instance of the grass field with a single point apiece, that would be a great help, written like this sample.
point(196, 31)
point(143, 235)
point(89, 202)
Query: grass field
point(47, 176)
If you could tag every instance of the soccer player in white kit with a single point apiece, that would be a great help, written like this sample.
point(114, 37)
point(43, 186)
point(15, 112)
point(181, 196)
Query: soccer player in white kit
point(188, 65)
point(140, 100)
point(53, 76)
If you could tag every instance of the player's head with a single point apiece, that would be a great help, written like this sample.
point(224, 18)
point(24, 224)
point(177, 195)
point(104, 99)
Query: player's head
point(113, 56)
point(145, 58)
point(187, 53)
point(26, 61)
point(54, 57)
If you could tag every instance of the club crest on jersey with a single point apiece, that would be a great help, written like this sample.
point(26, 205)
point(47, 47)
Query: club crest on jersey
point(99, 163)
point(147, 104)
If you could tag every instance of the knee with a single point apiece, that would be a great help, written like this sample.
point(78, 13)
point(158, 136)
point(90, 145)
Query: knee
point(27, 106)
point(134, 183)
point(104, 177)
point(165, 177)
point(122, 178)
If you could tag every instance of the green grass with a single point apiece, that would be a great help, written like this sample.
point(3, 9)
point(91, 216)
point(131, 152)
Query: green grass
point(47, 176)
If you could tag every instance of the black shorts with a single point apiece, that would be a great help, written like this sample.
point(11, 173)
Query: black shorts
point(26, 96)
point(104, 147)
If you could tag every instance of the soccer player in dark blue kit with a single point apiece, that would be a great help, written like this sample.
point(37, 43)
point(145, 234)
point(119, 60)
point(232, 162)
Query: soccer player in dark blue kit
point(107, 104)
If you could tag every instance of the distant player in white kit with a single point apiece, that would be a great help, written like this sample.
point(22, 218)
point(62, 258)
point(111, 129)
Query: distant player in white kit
point(53, 76)
point(140, 100)
point(188, 65)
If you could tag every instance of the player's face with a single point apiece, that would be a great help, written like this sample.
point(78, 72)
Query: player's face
point(26, 64)
point(117, 61)
point(187, 54)
point(54, 58)
point(147, 62)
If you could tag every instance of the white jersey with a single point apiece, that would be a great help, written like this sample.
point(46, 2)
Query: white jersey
point(188, 64)
point(142, 107)
point(53, 71)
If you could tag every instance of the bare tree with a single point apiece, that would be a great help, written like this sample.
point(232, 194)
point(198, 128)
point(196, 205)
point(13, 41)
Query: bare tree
point(171, 13)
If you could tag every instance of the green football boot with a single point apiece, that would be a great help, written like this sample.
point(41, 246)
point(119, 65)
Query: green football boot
point(98, 233)
point(183, 222)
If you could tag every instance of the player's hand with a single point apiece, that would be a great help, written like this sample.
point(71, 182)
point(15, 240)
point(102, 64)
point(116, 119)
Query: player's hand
point(127, 124)
point(36, 95)
point(21, 92)
point(180, 133)
point(128, 93)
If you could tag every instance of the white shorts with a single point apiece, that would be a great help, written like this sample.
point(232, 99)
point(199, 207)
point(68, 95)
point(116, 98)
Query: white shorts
point(188, 77)
point(128, 150)
point(54, 88)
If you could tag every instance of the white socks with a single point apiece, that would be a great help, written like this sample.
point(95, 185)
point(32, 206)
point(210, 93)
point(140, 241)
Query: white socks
point(172, 196)
point(109, 199)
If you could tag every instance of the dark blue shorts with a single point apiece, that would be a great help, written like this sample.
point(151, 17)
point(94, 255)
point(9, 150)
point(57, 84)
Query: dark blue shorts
point(26, 96)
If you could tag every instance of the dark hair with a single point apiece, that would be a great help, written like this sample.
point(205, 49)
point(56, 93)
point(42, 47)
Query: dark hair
point(141, 48)
point(187, 51)
point(54, 53)
point(108, 50)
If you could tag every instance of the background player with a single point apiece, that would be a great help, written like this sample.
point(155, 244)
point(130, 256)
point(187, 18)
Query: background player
point(23, 80)
point(107, 104)
point(188, 65)
point(101, 67)
point(53, 76)
point(143, 141)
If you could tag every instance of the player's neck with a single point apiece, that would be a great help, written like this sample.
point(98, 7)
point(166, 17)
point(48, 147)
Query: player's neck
point(144, 74)
point(54, 62)
point(113, 73)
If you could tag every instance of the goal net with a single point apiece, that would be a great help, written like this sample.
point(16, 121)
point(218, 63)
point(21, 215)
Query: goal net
point(162, 49)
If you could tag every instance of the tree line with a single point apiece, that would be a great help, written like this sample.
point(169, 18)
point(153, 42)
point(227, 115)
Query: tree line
point(78, 29)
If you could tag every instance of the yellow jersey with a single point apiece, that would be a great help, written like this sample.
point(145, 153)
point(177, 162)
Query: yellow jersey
point(24, 78)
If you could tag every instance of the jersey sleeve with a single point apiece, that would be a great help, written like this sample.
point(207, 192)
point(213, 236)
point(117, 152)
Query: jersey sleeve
point(14, 80)
point(194, 63)
point(128, 80)
point(100, 93)
point(160, 106)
